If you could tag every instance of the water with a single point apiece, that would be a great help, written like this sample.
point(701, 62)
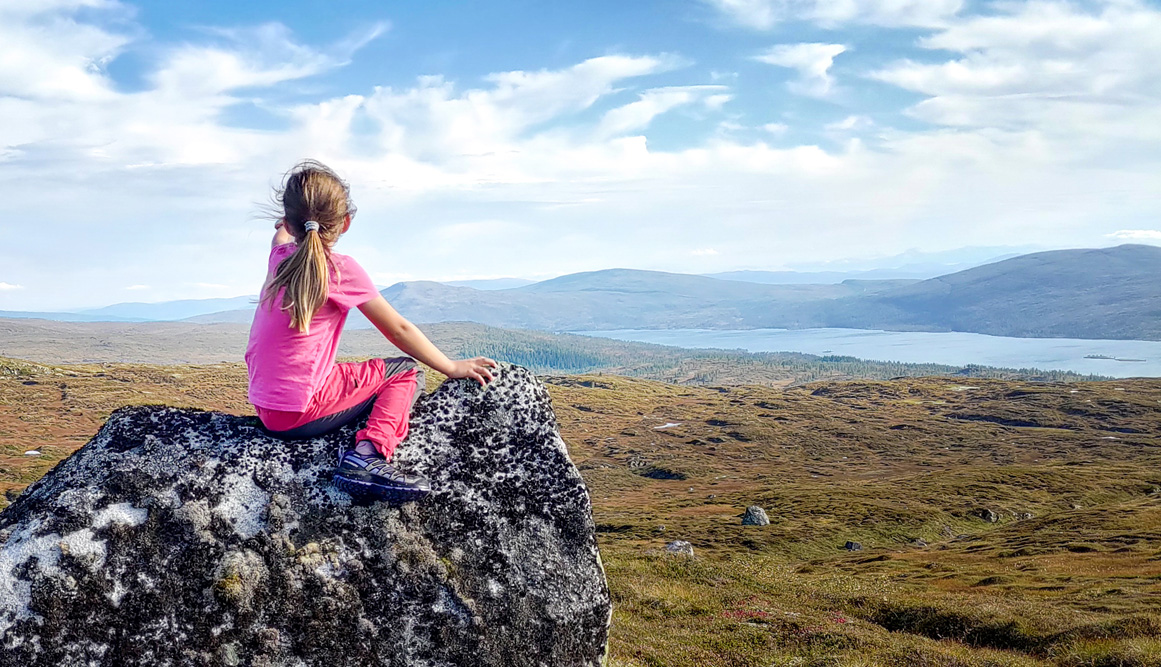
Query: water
point(951, 348)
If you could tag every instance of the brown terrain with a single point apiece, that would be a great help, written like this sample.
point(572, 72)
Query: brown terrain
point(1000, 522)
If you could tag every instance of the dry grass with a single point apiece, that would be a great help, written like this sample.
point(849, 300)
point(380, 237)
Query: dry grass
point(880, 463)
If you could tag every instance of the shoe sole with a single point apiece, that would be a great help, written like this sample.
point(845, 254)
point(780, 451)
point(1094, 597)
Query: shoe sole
point(371, 491)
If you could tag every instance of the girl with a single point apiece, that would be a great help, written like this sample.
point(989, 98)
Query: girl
point(295, 385)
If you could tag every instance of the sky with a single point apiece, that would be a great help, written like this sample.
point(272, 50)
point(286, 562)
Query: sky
point(139, 142)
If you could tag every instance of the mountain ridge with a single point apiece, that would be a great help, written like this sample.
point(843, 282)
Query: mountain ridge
point(1077, 293)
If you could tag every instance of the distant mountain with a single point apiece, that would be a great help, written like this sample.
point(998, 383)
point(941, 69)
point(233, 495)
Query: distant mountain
point(169, 310)
point(493, 283)
point(1102, 293)
point(830, 277)
point(61, 317)
point(1105, 293)
point(622, 298)
point(913, 265)
point(611, 299)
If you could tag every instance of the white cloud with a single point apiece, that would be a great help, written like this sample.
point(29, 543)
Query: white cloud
point(1137, 234)
point(812, 61)
point(4, 287)
point(433, 121)
point(137, 287)
point(548, 171)
point(852, 123)
point(716, 102)
point(1086, 79)
point(652, 103)
point(765, 14)
point(47, 55)
point(703, 252)
point(758, 14)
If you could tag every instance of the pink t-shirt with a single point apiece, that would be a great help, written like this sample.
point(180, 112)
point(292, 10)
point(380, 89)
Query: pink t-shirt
point(286, 365)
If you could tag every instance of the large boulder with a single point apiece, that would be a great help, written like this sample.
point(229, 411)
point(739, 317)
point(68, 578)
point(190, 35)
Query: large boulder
point(182, 537)
point(755, 516)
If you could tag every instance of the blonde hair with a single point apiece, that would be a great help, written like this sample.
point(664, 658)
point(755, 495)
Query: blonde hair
point(310, 191)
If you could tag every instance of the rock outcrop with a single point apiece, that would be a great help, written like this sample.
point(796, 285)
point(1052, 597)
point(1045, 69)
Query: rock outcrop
point(181, 537)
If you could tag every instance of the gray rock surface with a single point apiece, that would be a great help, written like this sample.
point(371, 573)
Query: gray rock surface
point(985, 514)
point(181, 537)
point(679, 548)
point(853, 546)
point(755, 516)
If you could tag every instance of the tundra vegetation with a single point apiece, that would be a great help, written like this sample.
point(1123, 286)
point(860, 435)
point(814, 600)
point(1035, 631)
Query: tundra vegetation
point(1002, 521)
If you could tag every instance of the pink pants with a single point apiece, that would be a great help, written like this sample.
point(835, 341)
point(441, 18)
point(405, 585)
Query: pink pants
point(391, 385)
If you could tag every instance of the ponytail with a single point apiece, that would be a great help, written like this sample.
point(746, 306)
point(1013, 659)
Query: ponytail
point(306, 277)
point(316, 206)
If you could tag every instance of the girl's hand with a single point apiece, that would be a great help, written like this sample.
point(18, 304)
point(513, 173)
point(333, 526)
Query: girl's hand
point(476, 369)
point(281, 236)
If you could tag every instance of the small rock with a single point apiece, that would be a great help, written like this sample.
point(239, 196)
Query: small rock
point(679, 548)
point(659, 529)
point(1077, 507)
point(270, 637)
point(32, 452)
point(755, 516)
point(986, 514)
point(919, 543)
point(12, 494)
point(853, 546)
point(712, 496)
point(229, 655)
point(1024, 516)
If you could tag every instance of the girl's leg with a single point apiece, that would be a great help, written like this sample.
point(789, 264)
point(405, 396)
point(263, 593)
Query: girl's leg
point(402, 383)
point(346, 395)
point(320, 425)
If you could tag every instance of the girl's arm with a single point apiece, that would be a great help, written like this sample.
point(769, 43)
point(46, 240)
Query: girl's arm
point(407, 337)
point(281, 236)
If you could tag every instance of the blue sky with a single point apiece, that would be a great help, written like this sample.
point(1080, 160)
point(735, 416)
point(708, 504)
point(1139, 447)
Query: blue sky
point(533, 139)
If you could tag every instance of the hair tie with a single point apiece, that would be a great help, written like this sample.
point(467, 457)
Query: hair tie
point(310, 226)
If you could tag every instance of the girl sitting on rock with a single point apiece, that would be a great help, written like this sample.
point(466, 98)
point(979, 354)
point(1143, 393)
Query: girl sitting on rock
point(295, 385)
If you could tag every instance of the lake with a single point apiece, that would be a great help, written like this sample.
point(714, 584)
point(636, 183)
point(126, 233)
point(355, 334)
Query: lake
point(951, 348)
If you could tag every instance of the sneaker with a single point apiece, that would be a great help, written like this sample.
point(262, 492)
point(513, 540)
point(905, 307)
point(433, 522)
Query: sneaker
point(371, 476)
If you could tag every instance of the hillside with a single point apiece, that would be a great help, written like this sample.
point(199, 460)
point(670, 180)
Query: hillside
point(169, 310)
point(1068, 574)
point(190, 343)
point(1104, 293)
point(612, 299)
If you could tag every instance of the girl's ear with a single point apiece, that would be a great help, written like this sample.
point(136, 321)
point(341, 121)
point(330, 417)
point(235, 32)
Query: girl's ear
point(347, 223)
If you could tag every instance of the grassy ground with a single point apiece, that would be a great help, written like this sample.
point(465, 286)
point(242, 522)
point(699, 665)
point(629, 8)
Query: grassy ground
point(1068, 574)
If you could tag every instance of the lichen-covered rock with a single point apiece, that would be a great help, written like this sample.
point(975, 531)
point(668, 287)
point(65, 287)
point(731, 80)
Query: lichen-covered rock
point(755, 516)
point(180, 537)
point(985, 514)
